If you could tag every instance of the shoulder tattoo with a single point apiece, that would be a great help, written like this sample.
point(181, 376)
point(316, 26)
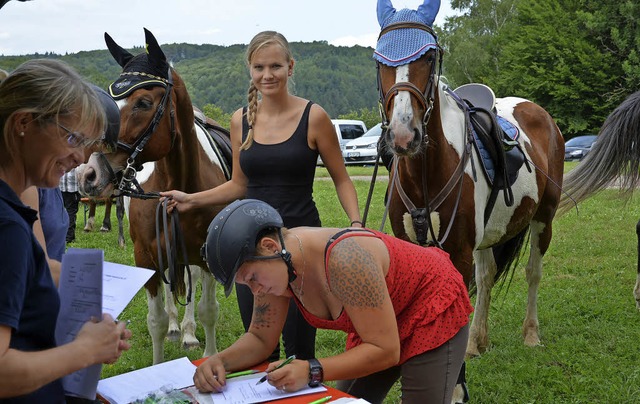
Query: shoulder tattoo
point(355, 276)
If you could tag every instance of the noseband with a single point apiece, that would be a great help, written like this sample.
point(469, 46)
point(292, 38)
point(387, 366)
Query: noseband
point(425, 98)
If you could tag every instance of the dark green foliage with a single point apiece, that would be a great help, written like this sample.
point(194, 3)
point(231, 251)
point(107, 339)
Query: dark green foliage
point(340, 79)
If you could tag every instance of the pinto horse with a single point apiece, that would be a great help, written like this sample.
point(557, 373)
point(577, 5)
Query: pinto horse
point(439, 180)
point(614, 159)
point(92, 203)
point(160, 147)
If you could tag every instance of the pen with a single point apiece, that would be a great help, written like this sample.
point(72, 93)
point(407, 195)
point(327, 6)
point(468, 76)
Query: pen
point(286, 362)
point(243, 373)
point(322, 400)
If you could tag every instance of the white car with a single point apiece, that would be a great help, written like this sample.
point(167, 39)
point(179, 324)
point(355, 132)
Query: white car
point(364, 149)
point(346, 130)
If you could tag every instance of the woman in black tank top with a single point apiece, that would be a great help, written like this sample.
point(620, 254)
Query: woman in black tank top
point(276, 141)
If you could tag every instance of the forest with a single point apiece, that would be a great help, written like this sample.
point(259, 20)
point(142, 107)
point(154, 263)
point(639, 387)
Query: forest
point(578, 59)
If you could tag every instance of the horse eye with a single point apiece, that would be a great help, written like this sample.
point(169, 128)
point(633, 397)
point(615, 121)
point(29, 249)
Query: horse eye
point(143, 103)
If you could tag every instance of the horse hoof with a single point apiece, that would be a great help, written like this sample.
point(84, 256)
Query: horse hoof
point(104, 229)
point(189, 345)
point(173, 336)
point(87, 230)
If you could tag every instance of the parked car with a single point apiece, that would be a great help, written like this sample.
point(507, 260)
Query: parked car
point(578, 147)
point(364, 149)
point(346, 130)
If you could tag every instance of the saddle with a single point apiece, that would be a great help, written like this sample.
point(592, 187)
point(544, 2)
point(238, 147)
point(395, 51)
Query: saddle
point(502, 155)
point(219, 139)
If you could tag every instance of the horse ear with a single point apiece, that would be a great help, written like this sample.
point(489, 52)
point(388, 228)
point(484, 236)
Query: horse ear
point(121, 55)
point(156, 56)
point(385, 10)
point(428, 10)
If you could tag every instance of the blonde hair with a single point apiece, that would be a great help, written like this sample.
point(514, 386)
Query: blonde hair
point(261, 40)
point(48, 89)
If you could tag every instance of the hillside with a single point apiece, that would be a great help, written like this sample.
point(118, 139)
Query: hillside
point(341, 79)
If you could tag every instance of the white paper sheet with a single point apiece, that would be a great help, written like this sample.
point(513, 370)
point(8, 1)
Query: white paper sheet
point(128, 387)
point(89, 286)
point(80, 299)
point(120, 283)
point(243, 390)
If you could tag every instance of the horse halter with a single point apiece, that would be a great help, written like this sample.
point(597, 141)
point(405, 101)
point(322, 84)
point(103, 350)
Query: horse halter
point(128, 185)
point(426, 98)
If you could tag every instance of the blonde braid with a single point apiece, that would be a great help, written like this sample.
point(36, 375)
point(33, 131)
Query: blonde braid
point(252, 109)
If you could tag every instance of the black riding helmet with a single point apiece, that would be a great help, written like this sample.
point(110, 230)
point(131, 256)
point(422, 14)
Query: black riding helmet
point(112, 112)
point(232, 238)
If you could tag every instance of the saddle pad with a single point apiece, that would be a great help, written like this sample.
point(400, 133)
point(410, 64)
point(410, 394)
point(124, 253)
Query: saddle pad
point(403, 45)
point(510, 130)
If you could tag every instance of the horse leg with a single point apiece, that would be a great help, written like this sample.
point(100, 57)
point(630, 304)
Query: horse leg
point(636, 289)
point(208, 310)
point(120, 216)
point(540, 238)
point(485, 268)
point(92, 216)
point(157, 324)
point(173, 329)
point(106, 222)
point(188, 324)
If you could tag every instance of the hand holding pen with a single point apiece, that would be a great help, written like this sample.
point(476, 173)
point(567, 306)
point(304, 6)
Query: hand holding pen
point(286, 362)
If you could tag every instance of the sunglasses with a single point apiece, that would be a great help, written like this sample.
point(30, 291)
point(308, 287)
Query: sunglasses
point(76, 139)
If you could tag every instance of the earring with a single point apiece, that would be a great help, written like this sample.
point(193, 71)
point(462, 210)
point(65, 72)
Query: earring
point(21, 134)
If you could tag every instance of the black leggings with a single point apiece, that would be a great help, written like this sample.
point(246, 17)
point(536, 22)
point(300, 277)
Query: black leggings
point(298, 336)
point(426, 378)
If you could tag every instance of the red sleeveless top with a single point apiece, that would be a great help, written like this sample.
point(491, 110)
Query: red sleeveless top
point(428, 294)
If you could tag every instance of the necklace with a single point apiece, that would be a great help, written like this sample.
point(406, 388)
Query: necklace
point(304, 267)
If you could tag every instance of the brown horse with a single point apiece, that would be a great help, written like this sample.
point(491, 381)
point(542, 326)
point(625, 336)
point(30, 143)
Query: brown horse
point(442, 184)
point(614, 160)
point(160, 147)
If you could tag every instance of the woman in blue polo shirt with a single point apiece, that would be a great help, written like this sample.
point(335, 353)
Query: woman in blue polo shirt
point(48, 115)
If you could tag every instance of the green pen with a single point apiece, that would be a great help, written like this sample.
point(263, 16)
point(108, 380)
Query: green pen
point(286, 362)
point(322, 400)
point(242, 373)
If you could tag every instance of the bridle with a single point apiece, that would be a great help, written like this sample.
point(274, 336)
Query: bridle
point(425, 98)
point(127, 184)
point(421, 217)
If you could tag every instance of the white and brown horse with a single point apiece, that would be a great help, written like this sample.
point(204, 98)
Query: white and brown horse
point(441, 182)
point(614, 161)
point(90, 209)
point(160, 147)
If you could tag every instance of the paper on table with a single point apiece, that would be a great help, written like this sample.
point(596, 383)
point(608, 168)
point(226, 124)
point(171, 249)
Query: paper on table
point(128, 387)
point(243, 390)
point(80, 299)
point(120, 283)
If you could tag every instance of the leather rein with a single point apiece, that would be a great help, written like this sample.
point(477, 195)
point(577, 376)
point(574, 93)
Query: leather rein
point(129, 186)
point(421, 217)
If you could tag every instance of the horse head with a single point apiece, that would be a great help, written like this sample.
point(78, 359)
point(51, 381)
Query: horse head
point(145, 93)
point(409, 59)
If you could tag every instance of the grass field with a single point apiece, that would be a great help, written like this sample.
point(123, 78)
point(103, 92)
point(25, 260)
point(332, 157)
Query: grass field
point(588, 320)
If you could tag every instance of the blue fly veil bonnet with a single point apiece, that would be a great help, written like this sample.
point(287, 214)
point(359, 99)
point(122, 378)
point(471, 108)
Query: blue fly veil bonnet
point(411, 36)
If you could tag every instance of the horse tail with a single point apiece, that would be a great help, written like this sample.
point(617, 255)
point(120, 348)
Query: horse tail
point(507, 256)
point(615, 156)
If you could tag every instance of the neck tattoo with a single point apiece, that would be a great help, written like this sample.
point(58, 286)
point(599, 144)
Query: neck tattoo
point(304, 267)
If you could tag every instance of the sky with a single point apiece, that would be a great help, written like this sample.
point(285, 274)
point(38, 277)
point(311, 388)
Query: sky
point(70, 26)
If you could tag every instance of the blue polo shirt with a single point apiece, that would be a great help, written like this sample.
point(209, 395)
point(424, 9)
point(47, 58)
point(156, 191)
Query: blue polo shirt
point(29, 301)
